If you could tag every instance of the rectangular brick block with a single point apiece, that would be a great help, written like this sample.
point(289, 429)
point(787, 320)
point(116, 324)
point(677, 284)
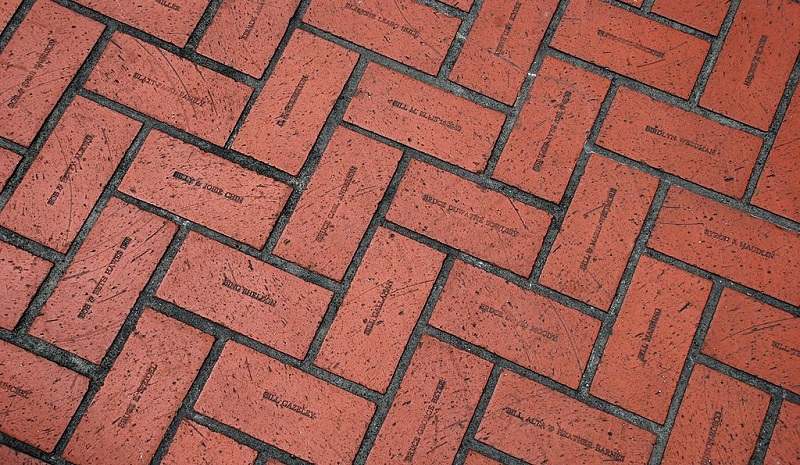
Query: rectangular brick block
point(433, 406)
point(631, 45)
point(8, 163)
point(169, 88)
point(334, 212)
point(37, 397)
point(730, 243)
point(425, 118)
point(22, 274)
point(290, 111)
point(599, 231)
point(37, 65)
point(679, 142)
point(404, 30)
point(9, 456)
point(285, 407)
point(101, 285)
point(551, 129)
point(750, 74)
point(473, 219)
point(645, 354)
point(784, 448)
point(65, 180)
point(144, 389)
point(705, 15)
point(538, 425)
point(197, 445)
point(206, 189)
point(517, 324)
point(718, 422)
point(384, 302)
point(245, 295)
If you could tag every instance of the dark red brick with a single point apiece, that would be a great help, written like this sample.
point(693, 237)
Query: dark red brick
point(705, 15)
point(8, 163)
point(22, 274)
point(197, 445)
point(784, 448)
point(474, 458)
point(9, 456)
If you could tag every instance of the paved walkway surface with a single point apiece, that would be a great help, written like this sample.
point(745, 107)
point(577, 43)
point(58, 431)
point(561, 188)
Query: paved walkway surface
point(392, 231)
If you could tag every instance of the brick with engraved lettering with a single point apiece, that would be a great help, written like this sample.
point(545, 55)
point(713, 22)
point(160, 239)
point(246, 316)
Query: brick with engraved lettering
point(205, 188)
point(645, 354)
point(7, 9)
point(9, 456)
point(245, 294)
point(474, 458)
point(730, 243)
point(600, 228)
point(404, 30)
point(433, 406)
point(425, 117)
point(550, 132)
point(37, 397)
point(197, 445)
point(705, 15)
point(326, 227)
point(65, 180)
point(517, 324)
point(718, 422)
point(8, 163)
point(784, 447)
point(143, 390)
point(37, 65)
point(289, 113)
point(103, 281)
point(539, 425)
point(285, 407)
point(753, 67)
point(384, 302)
point(22, 274)
point(631, 45)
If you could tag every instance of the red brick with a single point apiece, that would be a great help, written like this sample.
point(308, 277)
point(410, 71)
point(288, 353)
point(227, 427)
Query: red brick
point(246, 295)
point(8, 163)
point(784, 448)
point(433, 406)
point(197, 445)
point(289, 113)
point(7, 9)
point(750, 74)
point(631, 45)
point(464, 5)
point(147, 383)
point(516, 324)
point(468, 217)
point(550, 132)
point(500, 47)
point(403, 30)
point(705, 15)
point(101, 285)
point(474, 458)
point(37, 397)
point(425, 118)
point(718, 422)
point(645, 354)
point(756, 338)
point(169, 88)
point(730, 243)
point(599, 231)
point(9, 456)
point(636, 3)
point(536, 424)
point(22, 274)
point(67, 177)
point(384, 302)
point(206, 189)
point(285, 407)
point(336, 207)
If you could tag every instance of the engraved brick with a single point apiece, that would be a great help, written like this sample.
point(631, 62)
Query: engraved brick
point(197, 445)
point(538, 425)
point(7, 9)
point(285, 407)
point(326, 227)
point(206, 189)
point(432, 408)
point(37, 65)
point(22, 274)
point(550, 132)
point(286, 118)
point(424, 117)
point(645, 354)
point(101, 285)
point(730, 243)
point(144, 389)
point(384, 302)
point(37, 397)
point(8, 163)
point(65, 180)
point(403, 30)
point(596, 239)
point(631, 45)
point(245, 294)
point(169, 88)
point(516, 324)
point(9, 456)
point(468, 217)
point(474, 458)
point(705, 15)
point(784, 448)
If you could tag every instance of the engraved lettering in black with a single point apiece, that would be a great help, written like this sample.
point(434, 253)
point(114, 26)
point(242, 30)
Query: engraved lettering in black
point(716, 421)
point(263, 298)
point(430, 411)
point(251, 24)
point(525, 325)
point(689, 143)
point(327, 224)
point(377, 309)
point(86, 308)
point(648, 337)
point(501, 46)
point(26, 83)
point(200, 102)
point(71, 169)
point(207, 186)
point(283, 403)
point(474, 217)
point(599, 228)
point(137, 396)
point(751, 72)
point(16, 390)
point(423, 114)
point(631, 43)
point(287, 110)
point(551, 133)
